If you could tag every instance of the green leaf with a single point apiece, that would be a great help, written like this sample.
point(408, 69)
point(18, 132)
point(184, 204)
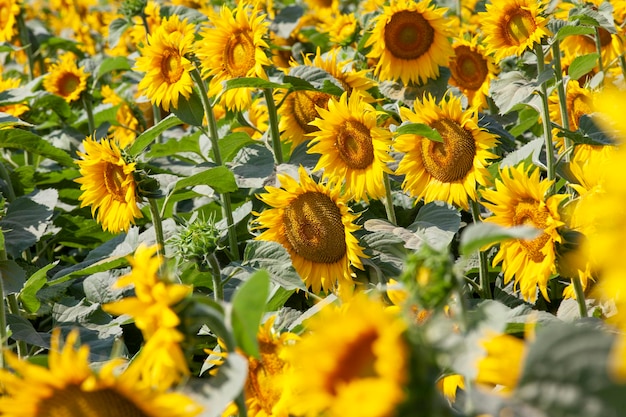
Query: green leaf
point(318, 78)
point(116, 29)
point(513, 88)
point(409, 93)
point(23, 330)
point(248, 307)
point(419, 129)
point(190, 110)
point(437, 222)
point(274, 258)
point(28, 295)
point(231, 144)
point(6, 120)
point(478, 235)
point(117, 63)
point(221, 179)
point(250, 83)
point(102, 265)
point(581, 65)
point(142, 141)
point(589, 133)
point(570, 30)
point(27, 141)
point(13, 277)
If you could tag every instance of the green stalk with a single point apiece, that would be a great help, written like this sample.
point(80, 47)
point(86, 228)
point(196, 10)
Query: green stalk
point(560, 89)
point(3, 323)
point(4, 174)
point(227, 211)
point(88, 105)
point(580, 297)
point(388, 200)
point(23, 35)
point(547, 128)
point(622, 64)
point(14, 308)
point(599, 49)
point(158, 226)
point(218, 286)
point(275, 133)
point(483, 265)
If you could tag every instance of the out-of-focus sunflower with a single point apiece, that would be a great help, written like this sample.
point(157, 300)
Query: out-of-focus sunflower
point(65, 79)
point(108, 185)
point(70, 388)
point(340, 381)
point(299, 108)
point(519, 199)
point(471, 70)
point(512, 26)
point(314, 224)
point(234, 47)
point(15, 110)
point(167, 71)
point(352, 146)
point(126, 131)
point(8, 21)
point(502, 364)
point(340, 27)
point(450, 170)
point(410, 41)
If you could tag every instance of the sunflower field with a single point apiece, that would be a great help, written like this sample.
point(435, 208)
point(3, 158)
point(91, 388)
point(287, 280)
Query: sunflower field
point(312, 208)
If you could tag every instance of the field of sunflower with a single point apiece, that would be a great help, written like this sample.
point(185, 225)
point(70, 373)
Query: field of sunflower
point(285, 208)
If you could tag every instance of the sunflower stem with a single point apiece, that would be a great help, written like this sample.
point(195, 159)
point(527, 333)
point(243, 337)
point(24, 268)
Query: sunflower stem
point(158, 226)
point(4, 174)
point(483, 266)
point(560, 89)
point(3, 323)
point(241, 404)
point(388, 200)
point(580, 297)
point(547, 126)
point(275, 133)
point(26, 44)
point(14, 308)
point(599, 49)
point(88, 105)
point(218, 286)
point(227, 211)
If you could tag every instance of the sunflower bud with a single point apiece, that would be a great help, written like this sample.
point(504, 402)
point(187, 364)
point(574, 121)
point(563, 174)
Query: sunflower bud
point(130, 8)
point(197, 241)
point(430, 275)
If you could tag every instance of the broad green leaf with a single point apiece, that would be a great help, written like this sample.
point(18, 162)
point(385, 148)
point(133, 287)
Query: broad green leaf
point(248, 306)
point(581, 65)
point(221, 179)
point(274, 258)
point(142, 141)
point(175, 146)
point(27, 219)
point(13, 277)
point(589, 133)
point(117, 63)
point(419, 129)
point(250, 83)
point(190, 110)
point(116, 29)
point(409, 93)
point(476, 236)
point(27, 141)
point(570, 30)
point(437, 222)
point(92, 268)
point(35, 282)
point(231, 144)
point(320, 79)
point(6, 120)
point(23, 330)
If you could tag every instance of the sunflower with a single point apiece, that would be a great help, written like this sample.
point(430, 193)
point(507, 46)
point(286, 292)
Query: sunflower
point(163, 60)
point(341, 381)
point(234, 47)
point(502, 364)
point(125, 132)
point(512, 26)
point(65, 79)
point(300, 108)
point(314, 224)
point(108, 185)
point(9, 10)
point(519, 199)
point(471, 70)
point(448, 171)
point(70, 388)
point(15, 110)
point(410, 41)
point(352, 146)
point(340, 27)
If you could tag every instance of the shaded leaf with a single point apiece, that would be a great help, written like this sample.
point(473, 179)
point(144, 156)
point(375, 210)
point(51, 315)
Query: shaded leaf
point(35, 282)
point(582, 65)
point(190, 110)
point(21, 139)
point(13, 277)
point(274, 258)
point(248, 306)
point(478, 235)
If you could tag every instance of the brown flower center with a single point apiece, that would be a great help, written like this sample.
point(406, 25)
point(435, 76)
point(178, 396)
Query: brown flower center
point(408, 35)
point(314, 228)
point(519, 25)
point(527, 213)
point(71, 401)
point(356, 361)
point(67, 83)
point(171, 66)
point(304, 108)
point(239, 55)
point(468, 68)
point(354, 144)
point(451, 160)
point(114, 177)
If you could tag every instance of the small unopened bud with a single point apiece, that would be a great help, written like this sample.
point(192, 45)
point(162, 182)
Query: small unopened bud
point(197, 241)
point(130, 8)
